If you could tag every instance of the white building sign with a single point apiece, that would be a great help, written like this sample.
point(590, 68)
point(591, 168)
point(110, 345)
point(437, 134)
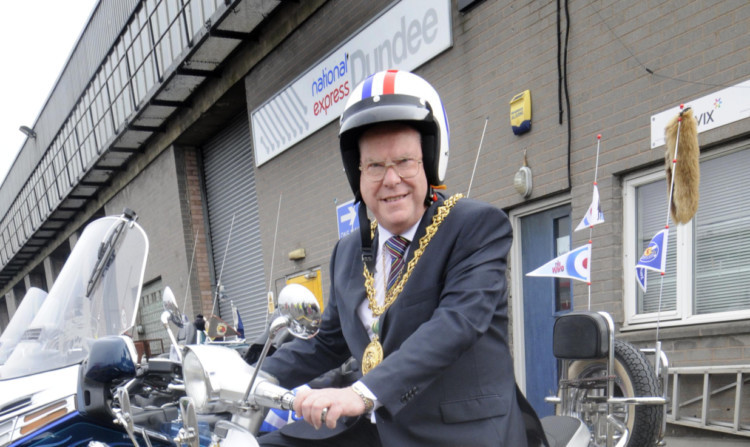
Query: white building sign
point(712, 111)
point(404, 37)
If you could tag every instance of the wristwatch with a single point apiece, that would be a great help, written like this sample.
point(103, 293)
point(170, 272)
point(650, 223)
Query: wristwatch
point(359, 389)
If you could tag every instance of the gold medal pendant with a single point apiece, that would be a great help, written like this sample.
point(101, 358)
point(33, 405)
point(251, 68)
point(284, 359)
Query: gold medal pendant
point(373, 356)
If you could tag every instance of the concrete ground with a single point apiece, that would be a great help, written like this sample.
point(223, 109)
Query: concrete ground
point(702, 441)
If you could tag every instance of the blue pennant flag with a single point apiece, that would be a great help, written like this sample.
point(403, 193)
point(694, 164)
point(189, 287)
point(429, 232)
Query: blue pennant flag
point(240, 327)
point(641, 277)
point(654, 257)
point(573, 264)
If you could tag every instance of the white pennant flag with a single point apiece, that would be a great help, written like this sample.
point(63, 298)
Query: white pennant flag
point(573, 264)
point(594, 214)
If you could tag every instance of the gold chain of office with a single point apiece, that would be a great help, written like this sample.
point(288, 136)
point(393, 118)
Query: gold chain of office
point(394, 292)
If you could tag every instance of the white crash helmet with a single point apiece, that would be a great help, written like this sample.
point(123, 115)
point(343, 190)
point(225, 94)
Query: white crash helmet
point(399, 96)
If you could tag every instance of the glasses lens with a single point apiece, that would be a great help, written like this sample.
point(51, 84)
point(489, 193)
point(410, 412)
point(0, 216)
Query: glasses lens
point(405, 168)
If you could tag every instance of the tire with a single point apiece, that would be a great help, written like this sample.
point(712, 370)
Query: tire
point(634, 377)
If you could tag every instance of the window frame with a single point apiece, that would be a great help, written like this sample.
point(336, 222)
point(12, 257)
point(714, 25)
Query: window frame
point(685, 289)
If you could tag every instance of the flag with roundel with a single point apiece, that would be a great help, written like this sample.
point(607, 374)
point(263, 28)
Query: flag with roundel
point(574, 264)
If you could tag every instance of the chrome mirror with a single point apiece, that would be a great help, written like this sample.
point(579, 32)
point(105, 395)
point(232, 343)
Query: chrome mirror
point(171, 313)
point(301, 309)
point(124, 416)
point(300, 314)
point(170, 305)
point(188, 434)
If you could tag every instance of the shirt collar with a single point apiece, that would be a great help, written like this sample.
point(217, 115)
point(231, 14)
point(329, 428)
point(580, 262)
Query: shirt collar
point(384, 235)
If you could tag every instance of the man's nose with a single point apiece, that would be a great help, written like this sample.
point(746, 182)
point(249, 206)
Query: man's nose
point(391, 176)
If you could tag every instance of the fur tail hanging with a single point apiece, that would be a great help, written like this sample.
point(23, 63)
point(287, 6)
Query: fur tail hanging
point(686, 171)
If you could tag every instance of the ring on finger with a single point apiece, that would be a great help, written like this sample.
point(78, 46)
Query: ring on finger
point(323, 415)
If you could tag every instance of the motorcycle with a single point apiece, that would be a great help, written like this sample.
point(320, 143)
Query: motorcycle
point(609, 394)
point(219, 381)
point(56, 384)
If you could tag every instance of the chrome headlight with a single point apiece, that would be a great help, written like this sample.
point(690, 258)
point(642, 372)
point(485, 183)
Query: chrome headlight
point(216, 377)
point(197, 385)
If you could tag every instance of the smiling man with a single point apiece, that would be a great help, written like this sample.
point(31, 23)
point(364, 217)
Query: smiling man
point(420, 298)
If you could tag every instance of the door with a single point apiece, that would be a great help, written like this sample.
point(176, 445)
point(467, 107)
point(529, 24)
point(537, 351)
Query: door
point(232, 205)
point(544, 236)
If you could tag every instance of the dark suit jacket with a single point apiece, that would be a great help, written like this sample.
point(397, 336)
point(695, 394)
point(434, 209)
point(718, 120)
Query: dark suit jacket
point(447, 377)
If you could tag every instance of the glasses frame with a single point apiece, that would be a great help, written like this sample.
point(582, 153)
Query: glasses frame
point(388, 165)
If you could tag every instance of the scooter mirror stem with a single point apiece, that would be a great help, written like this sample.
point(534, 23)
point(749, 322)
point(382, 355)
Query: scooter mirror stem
point(277, 325)
point(165, 321)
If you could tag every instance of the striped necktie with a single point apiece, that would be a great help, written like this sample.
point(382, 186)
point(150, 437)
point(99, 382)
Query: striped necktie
point(395, 246)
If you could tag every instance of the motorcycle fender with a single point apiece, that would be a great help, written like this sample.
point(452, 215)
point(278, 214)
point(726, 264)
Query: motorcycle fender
point(474, 409)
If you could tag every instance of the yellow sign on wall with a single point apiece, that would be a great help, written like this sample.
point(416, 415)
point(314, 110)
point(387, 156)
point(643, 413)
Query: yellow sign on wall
point(520, 112)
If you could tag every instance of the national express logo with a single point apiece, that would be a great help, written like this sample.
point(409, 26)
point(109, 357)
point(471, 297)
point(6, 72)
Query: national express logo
point(333, 84)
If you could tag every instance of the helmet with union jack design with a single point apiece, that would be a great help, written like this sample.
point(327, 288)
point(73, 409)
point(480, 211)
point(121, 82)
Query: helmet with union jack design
point(396, 96)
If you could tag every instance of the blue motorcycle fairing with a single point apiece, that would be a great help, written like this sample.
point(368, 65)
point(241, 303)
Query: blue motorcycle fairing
point(110, 359)
point(76, 430)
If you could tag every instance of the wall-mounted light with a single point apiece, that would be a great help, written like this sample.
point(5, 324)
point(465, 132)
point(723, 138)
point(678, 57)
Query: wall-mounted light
point(28, 131)
point(522, 179)
point(296, 255)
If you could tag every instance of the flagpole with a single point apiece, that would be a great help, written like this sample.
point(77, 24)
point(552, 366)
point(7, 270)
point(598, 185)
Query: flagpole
point(657, 347)
point(591, 226)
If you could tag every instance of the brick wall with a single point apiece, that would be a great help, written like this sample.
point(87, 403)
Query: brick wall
point(626, 61)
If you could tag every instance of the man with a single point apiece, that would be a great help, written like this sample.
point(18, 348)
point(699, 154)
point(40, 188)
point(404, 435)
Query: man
point(430, 329)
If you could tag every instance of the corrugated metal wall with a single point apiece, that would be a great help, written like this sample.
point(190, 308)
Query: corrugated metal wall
point(230, 192)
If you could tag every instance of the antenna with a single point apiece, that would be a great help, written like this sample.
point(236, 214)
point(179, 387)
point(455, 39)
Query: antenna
point(190, 272)
point(477, 159)
point(273, 257)
point(221, 271)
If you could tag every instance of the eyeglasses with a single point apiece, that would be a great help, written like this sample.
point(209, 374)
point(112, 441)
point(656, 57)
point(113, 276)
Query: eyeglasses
point(405, 168)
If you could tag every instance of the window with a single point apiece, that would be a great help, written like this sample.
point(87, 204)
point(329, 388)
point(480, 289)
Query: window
point(708, 259)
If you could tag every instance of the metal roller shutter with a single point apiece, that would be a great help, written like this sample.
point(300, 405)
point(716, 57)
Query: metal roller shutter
point(230, 192)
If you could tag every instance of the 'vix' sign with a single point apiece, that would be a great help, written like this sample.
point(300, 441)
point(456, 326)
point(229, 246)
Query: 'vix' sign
point(711, 111)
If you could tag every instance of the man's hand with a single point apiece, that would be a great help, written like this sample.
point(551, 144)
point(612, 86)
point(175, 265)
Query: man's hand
point(338, 402)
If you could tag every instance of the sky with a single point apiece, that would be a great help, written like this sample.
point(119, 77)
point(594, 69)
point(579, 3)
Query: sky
point(36, 39)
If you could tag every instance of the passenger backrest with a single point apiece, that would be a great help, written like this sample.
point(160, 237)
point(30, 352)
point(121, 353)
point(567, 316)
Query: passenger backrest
point(581, 335)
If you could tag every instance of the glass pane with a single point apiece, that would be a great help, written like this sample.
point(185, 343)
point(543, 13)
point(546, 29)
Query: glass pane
point(651, 215)
point(563, 292)
point(722, 235)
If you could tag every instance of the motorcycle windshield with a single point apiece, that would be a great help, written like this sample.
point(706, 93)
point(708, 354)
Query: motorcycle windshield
point(21, 320)
point(96, 294)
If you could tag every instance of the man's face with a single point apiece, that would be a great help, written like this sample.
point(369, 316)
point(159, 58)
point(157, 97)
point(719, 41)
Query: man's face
point(396, 202)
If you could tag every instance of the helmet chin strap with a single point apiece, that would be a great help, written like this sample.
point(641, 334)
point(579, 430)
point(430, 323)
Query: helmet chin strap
point(368, 256)
point(432, 196)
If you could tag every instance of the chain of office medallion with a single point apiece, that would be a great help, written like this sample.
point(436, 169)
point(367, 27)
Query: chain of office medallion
point(394, 292)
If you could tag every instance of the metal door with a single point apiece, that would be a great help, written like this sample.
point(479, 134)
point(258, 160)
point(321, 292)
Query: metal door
point(229, 179)
point(544, 236)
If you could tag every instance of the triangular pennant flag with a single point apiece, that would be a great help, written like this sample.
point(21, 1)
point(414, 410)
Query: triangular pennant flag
point(573, 264)
point(641, 276)
point(654, 257)
point(216, 327)
point(239, 327)
point(594, 214)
